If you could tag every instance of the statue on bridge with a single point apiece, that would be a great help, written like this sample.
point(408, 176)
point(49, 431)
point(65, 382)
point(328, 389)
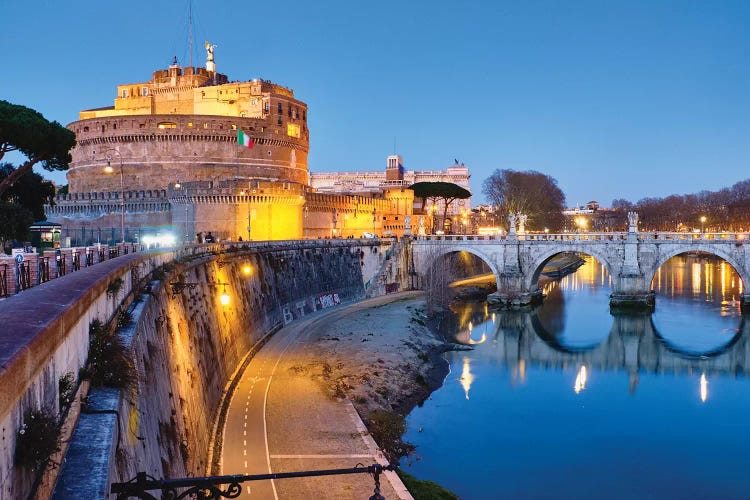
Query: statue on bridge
point(512, 224)
point(522, 223)
point(632, 222)
point(421, 230)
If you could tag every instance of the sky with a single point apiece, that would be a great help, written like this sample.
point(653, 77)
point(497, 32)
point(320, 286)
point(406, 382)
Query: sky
point(613, 99)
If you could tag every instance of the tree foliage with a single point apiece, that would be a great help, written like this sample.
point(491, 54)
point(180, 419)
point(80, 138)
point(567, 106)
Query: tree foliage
point(448, 192)
point(532, 193)
point(14, 222)
point(43, 142)
point(31, 191)
point(725, 209)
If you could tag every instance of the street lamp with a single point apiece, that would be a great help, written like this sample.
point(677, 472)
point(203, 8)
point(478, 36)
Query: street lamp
point(703, 221)
point(109, 170)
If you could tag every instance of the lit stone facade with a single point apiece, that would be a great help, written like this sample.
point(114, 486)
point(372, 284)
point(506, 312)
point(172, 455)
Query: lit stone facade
point(182, 126)
point(174, 140)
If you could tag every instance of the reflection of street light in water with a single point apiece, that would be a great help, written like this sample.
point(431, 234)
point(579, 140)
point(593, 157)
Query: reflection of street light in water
point(704, 388)
point(466, 377)
point(581, 377)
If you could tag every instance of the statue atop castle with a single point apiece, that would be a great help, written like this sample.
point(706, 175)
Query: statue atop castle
point(210, 64)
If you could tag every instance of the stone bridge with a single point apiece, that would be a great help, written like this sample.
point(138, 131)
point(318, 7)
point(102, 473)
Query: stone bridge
point(632, 258)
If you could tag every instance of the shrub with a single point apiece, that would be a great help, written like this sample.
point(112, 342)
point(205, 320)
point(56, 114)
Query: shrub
point(37, 439)
point(114, 287)
point(108, 364)
point(66, 389)
point(124, 318)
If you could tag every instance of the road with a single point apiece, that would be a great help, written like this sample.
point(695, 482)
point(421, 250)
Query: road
point(280, 421)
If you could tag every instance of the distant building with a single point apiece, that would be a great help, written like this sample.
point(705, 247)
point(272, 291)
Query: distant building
point(394, 176)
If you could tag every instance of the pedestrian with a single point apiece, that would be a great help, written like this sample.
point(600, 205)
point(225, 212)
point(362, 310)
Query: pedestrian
point(210, 238)
point(199, 237)
point(239, 238)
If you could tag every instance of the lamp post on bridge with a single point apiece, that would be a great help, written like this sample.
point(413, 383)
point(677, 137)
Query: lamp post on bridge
point(703, 221)
point(109, 170)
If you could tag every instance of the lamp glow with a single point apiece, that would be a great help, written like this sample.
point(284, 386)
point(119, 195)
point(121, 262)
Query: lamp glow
point(247, 270)
point(224, 298)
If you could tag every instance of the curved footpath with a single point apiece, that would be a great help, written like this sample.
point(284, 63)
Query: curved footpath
point(281, 420)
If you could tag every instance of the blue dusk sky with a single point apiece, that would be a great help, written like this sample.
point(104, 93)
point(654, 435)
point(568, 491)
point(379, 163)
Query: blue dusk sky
point(614, 99)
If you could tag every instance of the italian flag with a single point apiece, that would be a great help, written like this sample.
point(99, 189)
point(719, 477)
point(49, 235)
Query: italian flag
point(244, 140)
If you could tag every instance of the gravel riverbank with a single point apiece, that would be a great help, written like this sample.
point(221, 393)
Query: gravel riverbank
point(383, 359)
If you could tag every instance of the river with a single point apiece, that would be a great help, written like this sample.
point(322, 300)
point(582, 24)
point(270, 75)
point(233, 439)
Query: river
point(571, 401)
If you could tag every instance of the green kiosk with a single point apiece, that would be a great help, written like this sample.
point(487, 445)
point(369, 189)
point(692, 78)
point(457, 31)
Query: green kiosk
point(45, 235)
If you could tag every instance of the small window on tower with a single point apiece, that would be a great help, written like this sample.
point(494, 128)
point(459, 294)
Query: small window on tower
point(144, 91)
point(280, 109)
point(124, 93)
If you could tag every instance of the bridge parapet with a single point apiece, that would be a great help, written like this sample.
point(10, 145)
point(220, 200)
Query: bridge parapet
point(631, 258)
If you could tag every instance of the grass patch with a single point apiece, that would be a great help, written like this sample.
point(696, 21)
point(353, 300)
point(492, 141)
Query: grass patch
point(424, 490)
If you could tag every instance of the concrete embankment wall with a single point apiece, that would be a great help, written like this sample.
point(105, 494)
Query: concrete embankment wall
point(188, 346)
point(185, 346)
point(44, 335)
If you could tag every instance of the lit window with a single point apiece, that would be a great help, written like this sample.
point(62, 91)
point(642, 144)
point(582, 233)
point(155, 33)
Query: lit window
point(205, 125)
point(190, 124)
point(292, 130)
point(167, 125)
point(234, 127)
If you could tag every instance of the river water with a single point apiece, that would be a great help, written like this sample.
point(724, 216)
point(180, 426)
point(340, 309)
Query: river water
point(570, 401)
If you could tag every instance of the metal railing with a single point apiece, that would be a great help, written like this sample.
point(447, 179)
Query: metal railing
point(211, 487)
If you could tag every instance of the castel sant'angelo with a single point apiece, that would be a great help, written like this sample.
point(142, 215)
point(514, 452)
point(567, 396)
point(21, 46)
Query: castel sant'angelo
point(191, 151)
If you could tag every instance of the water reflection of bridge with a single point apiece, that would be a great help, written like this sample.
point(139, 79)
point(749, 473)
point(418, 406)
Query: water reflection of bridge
point(633, 345)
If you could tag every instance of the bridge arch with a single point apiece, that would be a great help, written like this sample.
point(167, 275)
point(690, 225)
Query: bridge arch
point(709, 249)
point(431, 254)
point(536, 264)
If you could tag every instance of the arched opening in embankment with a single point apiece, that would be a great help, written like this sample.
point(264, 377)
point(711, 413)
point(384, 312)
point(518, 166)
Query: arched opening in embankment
point(574, 315)
point(698, 302)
